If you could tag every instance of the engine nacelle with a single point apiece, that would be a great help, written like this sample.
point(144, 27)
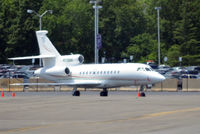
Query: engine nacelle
point(58, 71)
point(72, 59)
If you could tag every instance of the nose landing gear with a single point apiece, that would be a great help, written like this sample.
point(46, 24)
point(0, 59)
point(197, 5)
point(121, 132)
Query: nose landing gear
point(104, 93)
point(141, 92)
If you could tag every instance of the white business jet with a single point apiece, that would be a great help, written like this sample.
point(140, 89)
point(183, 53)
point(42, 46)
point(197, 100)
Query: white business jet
point(68, 70)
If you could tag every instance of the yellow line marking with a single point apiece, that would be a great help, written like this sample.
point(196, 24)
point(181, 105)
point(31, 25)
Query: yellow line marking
point(147, 116)
point(170, 112)
point(24, 129)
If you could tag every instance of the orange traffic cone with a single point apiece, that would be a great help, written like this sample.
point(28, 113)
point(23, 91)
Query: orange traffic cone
point(2, 94)
point(13, 94)
point(138, 94)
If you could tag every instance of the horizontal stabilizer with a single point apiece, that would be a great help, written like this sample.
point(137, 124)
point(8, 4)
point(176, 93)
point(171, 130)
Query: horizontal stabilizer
point(32, 57)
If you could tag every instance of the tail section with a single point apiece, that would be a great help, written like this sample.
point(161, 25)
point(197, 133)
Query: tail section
point(45, 45)
point(49, 55)
point(47, 48)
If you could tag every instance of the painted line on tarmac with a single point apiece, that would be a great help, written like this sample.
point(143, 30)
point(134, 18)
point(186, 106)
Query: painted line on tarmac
point(169, 112)
point(17, 130)
point(148, 116)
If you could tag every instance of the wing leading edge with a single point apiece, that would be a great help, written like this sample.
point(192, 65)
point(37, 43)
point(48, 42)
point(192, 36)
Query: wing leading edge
point(32, 57)
point(72, 84)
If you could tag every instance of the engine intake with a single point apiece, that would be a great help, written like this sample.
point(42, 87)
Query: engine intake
point(58, 71)
point(67, 71)
point(81, 59)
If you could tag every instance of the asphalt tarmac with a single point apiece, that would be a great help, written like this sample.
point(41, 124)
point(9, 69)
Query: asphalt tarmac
point(119, 113)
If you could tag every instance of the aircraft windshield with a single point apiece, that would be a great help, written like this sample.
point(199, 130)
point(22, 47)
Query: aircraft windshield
point(144, 69)
point(147, 69)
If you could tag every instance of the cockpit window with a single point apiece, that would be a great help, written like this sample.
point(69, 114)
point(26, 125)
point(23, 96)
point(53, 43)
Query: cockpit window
point(147, 69)
point(144, 69)
point(151, 69)
point(138, 69)
point(141, 69)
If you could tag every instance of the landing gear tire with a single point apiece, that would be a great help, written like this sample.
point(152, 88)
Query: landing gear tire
point(142, 94)
point(104, 92)
point(76, 93)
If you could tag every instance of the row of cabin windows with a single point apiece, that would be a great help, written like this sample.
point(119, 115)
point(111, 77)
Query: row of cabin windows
point(99, 72)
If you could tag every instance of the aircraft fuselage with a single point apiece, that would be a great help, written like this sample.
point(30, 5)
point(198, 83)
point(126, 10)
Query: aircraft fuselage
point(108, 75)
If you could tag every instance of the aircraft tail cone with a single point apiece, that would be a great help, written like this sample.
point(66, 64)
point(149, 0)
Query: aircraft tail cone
point(138, 94)
point(13, 94)
point(2, 94)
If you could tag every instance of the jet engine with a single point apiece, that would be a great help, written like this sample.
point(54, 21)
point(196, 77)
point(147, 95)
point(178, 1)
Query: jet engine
point(73, 59)
point(58, 71)
point(64, 66)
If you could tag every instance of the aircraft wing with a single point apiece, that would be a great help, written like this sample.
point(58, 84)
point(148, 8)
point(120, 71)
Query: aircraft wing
point(32, 57)
point(72, 84)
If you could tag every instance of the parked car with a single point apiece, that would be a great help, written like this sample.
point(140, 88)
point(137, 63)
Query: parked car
point(20, 76)
point(189, 76)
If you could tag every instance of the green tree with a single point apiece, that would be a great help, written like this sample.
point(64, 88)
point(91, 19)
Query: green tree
point(186, 33)
point(119, 21)
point(2, 36)
point(18, 28)
point(128, 27)
point(143, 47)
point(71, 26)
point(173, 55)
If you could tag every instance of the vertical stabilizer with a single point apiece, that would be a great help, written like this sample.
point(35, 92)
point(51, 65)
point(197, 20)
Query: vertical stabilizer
point(47, 48)
point(45, 45)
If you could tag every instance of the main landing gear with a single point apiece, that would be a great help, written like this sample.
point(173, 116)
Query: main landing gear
point(141, 92)
point(104, 93)
point(75, 92)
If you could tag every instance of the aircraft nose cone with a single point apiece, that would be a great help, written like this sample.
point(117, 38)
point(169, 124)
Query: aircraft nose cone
point(159, 77)
point(162, 78)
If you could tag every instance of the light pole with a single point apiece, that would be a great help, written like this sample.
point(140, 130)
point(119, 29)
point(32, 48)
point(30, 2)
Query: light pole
point(40, 16)
point(158, 22)
point(96, 28)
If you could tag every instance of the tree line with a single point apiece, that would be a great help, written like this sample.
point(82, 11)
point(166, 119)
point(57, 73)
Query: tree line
point(128, 27)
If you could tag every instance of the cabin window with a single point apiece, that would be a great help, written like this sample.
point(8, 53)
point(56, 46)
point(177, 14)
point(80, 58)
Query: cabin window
point(141, 69)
